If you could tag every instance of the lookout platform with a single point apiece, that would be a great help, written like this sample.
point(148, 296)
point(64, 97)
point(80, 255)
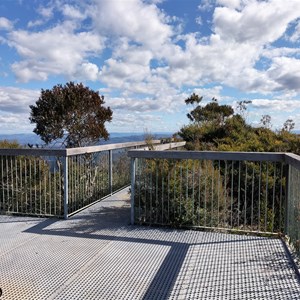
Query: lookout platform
point(96, 254)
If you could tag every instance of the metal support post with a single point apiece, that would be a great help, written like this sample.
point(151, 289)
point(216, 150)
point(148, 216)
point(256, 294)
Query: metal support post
point(110, 172)
point(287, 197)
point(66, 187)
point(132, 170)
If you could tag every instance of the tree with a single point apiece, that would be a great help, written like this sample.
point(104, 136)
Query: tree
point(210, 113)
point(207, 123)
point(73, 112)
point(266, 121)
point(288, 125)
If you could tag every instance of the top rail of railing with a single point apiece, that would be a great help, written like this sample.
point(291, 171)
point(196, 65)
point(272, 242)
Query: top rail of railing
point(215, 155)
point(72, 151)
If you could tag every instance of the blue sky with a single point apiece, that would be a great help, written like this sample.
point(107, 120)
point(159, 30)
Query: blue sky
point(147, 56)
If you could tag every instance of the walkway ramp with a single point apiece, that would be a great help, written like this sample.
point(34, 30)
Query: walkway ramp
point(96, 254)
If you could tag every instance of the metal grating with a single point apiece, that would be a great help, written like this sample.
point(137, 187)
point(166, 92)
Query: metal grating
point(97, 255)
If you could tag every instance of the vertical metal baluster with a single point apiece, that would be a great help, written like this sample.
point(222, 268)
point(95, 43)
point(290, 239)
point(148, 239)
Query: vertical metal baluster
point(187, 181)
point(133, 184)
point(156, 192)
point(212, 193)
point(12, 184)
point(169, 193)
point(55, 186)
point(16, 184)
point(259, 188)
point(252, 197)
point(145, 172)
point(2, 181)
point(30, 183)
point(7, 183)
point(71, 203)
point(138, 181)
point(96, 176)
point(225, 194)
point(45, 184)
point(219, 186)
point(60, 187)
point(174, 192)
point(35, 185)
point(50, 187)
point(297, 218)
point(193, 191)
point(180, 189)
point(162, 192)
point(187, 189)
point(239, 197)
point(66, 186)
point(110, 172)
point(26, 185)
point(76, 198)
point(40, 183)
point(266, 201)
point(199, 194)
point(205, 191)
point(81, 177)
point(280, 199)
point(245, 198)
point(93, 166)
point(273, 200)
point(85, 195)
point(151, 192)
point(231, 198)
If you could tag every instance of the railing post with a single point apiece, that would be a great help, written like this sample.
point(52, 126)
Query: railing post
point(287, 197)
point(132, 171)
point(66, 187)
point(110, 172)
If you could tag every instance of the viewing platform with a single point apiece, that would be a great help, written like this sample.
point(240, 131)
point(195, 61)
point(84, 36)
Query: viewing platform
point(97, 254)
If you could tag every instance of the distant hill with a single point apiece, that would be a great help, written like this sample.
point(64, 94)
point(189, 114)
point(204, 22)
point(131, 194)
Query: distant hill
point(115, 137)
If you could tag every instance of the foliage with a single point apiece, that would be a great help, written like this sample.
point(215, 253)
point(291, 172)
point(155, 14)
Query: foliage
point(235, 194)
point(5, 144)
point(29, 184)
point(166, 191)
point(73, 112)
point(216, 127)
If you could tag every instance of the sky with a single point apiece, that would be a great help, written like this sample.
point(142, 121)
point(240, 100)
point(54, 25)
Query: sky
point(147, 56)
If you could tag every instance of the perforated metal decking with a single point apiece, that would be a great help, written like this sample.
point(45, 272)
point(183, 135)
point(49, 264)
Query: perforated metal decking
point(97, 255)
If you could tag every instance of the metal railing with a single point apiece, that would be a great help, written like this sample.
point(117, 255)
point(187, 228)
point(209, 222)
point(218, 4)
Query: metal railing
point(61, 182)
point(248, 192)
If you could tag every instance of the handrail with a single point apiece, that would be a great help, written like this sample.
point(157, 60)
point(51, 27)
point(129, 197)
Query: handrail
point(70, 151)
point(214, 155)
point(293, 160)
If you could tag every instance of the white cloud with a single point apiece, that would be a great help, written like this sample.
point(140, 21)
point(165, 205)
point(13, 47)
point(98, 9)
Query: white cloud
point(276, 105)
point(133, 19)
point(198, 20)
point(87, 71)
point(16, 100)
point(35, 23)
point(206, 5)
point(46, 12)
point(5, 24)
point(286, 72)
point(73, 12)
point(58, 50)
point(259, 22)
point(295, 37)
point(235, 4)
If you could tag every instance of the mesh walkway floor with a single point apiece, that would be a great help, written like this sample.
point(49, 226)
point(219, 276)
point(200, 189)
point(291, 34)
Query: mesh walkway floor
point(97, 255)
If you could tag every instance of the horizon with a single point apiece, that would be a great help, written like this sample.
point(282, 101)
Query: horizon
point(147, 56)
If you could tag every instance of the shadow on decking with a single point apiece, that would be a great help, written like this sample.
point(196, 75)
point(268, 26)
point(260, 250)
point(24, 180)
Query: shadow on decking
point(112, 224)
